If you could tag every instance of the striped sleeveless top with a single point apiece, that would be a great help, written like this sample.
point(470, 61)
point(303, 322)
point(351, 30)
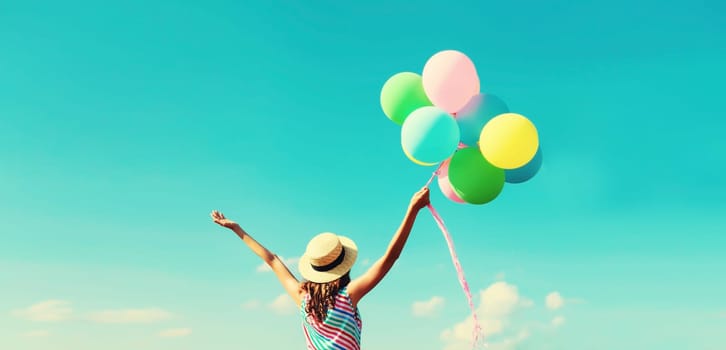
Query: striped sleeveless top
point(341, 329)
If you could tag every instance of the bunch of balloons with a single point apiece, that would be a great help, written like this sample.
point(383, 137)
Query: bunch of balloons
point(477, 143)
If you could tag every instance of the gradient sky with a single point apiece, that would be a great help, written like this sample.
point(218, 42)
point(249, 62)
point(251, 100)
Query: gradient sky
point(123, 124)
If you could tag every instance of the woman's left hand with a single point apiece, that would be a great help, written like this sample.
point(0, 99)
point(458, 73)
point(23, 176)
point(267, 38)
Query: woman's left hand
point(220, 220)
point(420, 199)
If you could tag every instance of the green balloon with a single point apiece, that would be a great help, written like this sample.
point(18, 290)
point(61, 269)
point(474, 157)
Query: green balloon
point(473, 178)
point(402, 94)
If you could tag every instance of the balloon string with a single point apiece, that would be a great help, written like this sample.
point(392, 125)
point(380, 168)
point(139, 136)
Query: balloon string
point(459, 270)
point(433, 176)
point(431, 179)
point(460, 273)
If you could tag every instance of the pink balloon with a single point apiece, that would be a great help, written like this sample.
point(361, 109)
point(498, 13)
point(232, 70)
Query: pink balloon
point(450, 80)
point(445, 185)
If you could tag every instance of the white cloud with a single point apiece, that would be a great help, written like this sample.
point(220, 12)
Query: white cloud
point(36, 334)
point(175, 332)
point(500, 276)
point(558, 321)
point(150, 315)
point(428, 307)
point(46, 311)
point(251, 305)
point(498, 302)
point(291, 264)
point(554, 301)
point(498, 305)
point(283, 305)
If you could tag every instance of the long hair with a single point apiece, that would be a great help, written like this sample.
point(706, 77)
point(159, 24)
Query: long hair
point(322, 296)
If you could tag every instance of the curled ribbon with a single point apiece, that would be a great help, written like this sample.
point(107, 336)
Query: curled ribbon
point(459, 271)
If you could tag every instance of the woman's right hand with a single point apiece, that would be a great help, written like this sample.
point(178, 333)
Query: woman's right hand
point(220, 220)
point(420, 199)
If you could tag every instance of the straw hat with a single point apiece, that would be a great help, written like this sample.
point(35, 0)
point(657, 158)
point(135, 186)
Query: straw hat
point(327, 258)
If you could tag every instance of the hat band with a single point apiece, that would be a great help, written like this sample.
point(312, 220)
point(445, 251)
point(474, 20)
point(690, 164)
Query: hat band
point(332, 265)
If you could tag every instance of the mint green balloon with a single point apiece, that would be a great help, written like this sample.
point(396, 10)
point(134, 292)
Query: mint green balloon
point(402, 94)
point(473, 178)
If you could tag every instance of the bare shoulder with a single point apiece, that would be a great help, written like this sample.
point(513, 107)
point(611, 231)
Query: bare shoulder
point(361, 286)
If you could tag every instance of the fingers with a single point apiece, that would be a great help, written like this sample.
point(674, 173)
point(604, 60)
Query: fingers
point(217, 216)
point(423, 195)
point(220, 220)
point(421, 198)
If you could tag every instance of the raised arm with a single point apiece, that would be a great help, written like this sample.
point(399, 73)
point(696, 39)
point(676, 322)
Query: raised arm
point(287, 279)
point(360, 286)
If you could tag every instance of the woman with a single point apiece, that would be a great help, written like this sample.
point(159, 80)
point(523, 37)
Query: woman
point(328, 299)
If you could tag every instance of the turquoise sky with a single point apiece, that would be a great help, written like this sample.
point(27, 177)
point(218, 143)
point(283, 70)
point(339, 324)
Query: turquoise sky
point(123, 124)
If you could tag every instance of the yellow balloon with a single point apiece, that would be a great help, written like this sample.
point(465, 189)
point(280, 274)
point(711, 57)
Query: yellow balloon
point(509, 141)
point(411, 158)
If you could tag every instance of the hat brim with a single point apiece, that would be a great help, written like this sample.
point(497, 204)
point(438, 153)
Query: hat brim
point(310, 274)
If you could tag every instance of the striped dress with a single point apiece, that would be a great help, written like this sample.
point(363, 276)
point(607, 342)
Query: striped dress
point(341, 329)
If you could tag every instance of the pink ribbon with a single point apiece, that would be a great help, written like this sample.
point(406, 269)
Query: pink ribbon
point(459, 271)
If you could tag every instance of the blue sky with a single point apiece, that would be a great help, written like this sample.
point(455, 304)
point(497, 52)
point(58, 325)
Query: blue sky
point(122, 125)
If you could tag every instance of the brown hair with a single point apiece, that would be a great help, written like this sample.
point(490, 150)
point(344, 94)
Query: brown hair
point(322, 296)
